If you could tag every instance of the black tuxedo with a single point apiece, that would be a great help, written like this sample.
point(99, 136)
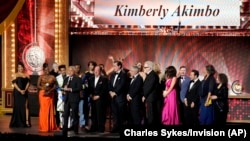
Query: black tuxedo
point(72, 99)
point(86, 93)
point(150, 86)
point(118, 102)
point(98, 107)
point(120, 86)
point(152, 94)
point(192, 95)
point(135, 92)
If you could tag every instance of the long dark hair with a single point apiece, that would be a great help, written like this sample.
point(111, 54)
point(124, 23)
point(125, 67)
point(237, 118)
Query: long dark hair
point(210, 69)
point(170, 72)
point(223, 79)
point(45, 65)
point(21, 64)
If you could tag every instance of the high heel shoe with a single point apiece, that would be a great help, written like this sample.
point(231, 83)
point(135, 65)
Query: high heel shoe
point(28, 125)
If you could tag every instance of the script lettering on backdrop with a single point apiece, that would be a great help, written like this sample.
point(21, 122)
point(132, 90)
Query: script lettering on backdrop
point(168, 12)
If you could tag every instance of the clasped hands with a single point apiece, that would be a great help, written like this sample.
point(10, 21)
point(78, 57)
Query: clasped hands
point(94, 97)
point(129, 98)
point(67, 89)
point(112, 94)
point(22, 92)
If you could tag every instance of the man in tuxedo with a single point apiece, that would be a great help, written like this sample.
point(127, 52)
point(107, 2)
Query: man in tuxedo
point(182, 86)
point(191, 100)
point(117, 92)
point(98, 87)
point(134, 96)
point(151, 96)
point(86, 94)
point(80, 74)
point(72, 86)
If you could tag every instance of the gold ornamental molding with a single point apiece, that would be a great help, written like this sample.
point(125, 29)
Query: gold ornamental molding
point(8, 56)
point(12, 16)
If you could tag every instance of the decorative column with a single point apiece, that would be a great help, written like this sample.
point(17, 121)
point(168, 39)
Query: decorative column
point(8, 65)
point(62, 31)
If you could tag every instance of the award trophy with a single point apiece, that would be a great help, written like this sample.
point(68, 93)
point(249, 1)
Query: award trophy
point(46, 89)
point(236, 87)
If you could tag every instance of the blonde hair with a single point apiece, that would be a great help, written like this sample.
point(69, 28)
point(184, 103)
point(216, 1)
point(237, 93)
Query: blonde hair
point(157, 68)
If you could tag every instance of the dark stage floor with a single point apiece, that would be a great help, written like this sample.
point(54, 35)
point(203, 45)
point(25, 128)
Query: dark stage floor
point(33, 133)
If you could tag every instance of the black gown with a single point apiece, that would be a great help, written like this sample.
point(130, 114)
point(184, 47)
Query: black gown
point(18, 118)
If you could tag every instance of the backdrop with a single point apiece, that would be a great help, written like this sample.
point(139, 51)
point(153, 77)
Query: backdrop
point(229, 55)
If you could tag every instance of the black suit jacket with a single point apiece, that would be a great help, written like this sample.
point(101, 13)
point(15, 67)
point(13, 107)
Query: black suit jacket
point(222, 98)
point(101, 88)
point(135, 88)
point(120, 87)
point(151, 87)
point(192, 94)
point(75, 85)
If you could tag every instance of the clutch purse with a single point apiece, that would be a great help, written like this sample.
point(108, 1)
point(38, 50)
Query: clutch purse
point(208, 101)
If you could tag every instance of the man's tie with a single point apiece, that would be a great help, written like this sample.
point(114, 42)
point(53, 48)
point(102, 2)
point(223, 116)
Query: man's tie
point(191, 84)
point(116, 75)
point(182, 79)
point(70, 79)
point(133, 78)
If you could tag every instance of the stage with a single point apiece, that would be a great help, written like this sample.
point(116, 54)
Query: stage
point(33, 133)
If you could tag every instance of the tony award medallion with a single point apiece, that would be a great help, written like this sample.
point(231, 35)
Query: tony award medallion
point(33, 57)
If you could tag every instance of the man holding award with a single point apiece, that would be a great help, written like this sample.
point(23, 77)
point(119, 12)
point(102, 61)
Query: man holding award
point(72, 86)
point(60, 100)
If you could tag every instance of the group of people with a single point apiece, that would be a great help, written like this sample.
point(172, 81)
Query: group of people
point(139, 95)
point(202, 101)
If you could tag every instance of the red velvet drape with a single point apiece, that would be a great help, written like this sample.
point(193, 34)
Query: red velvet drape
point(25, 24)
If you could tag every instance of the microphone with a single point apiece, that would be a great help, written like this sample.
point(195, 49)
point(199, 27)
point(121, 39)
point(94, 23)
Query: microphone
point(179, 27)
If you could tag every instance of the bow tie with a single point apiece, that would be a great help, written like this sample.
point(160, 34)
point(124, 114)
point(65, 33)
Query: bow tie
point(116, 73)
point(191, 81)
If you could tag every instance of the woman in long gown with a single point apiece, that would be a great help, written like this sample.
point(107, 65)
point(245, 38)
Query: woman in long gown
point(208, 87)
point(20, 114)
point(170, 115)
point(46, 85)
